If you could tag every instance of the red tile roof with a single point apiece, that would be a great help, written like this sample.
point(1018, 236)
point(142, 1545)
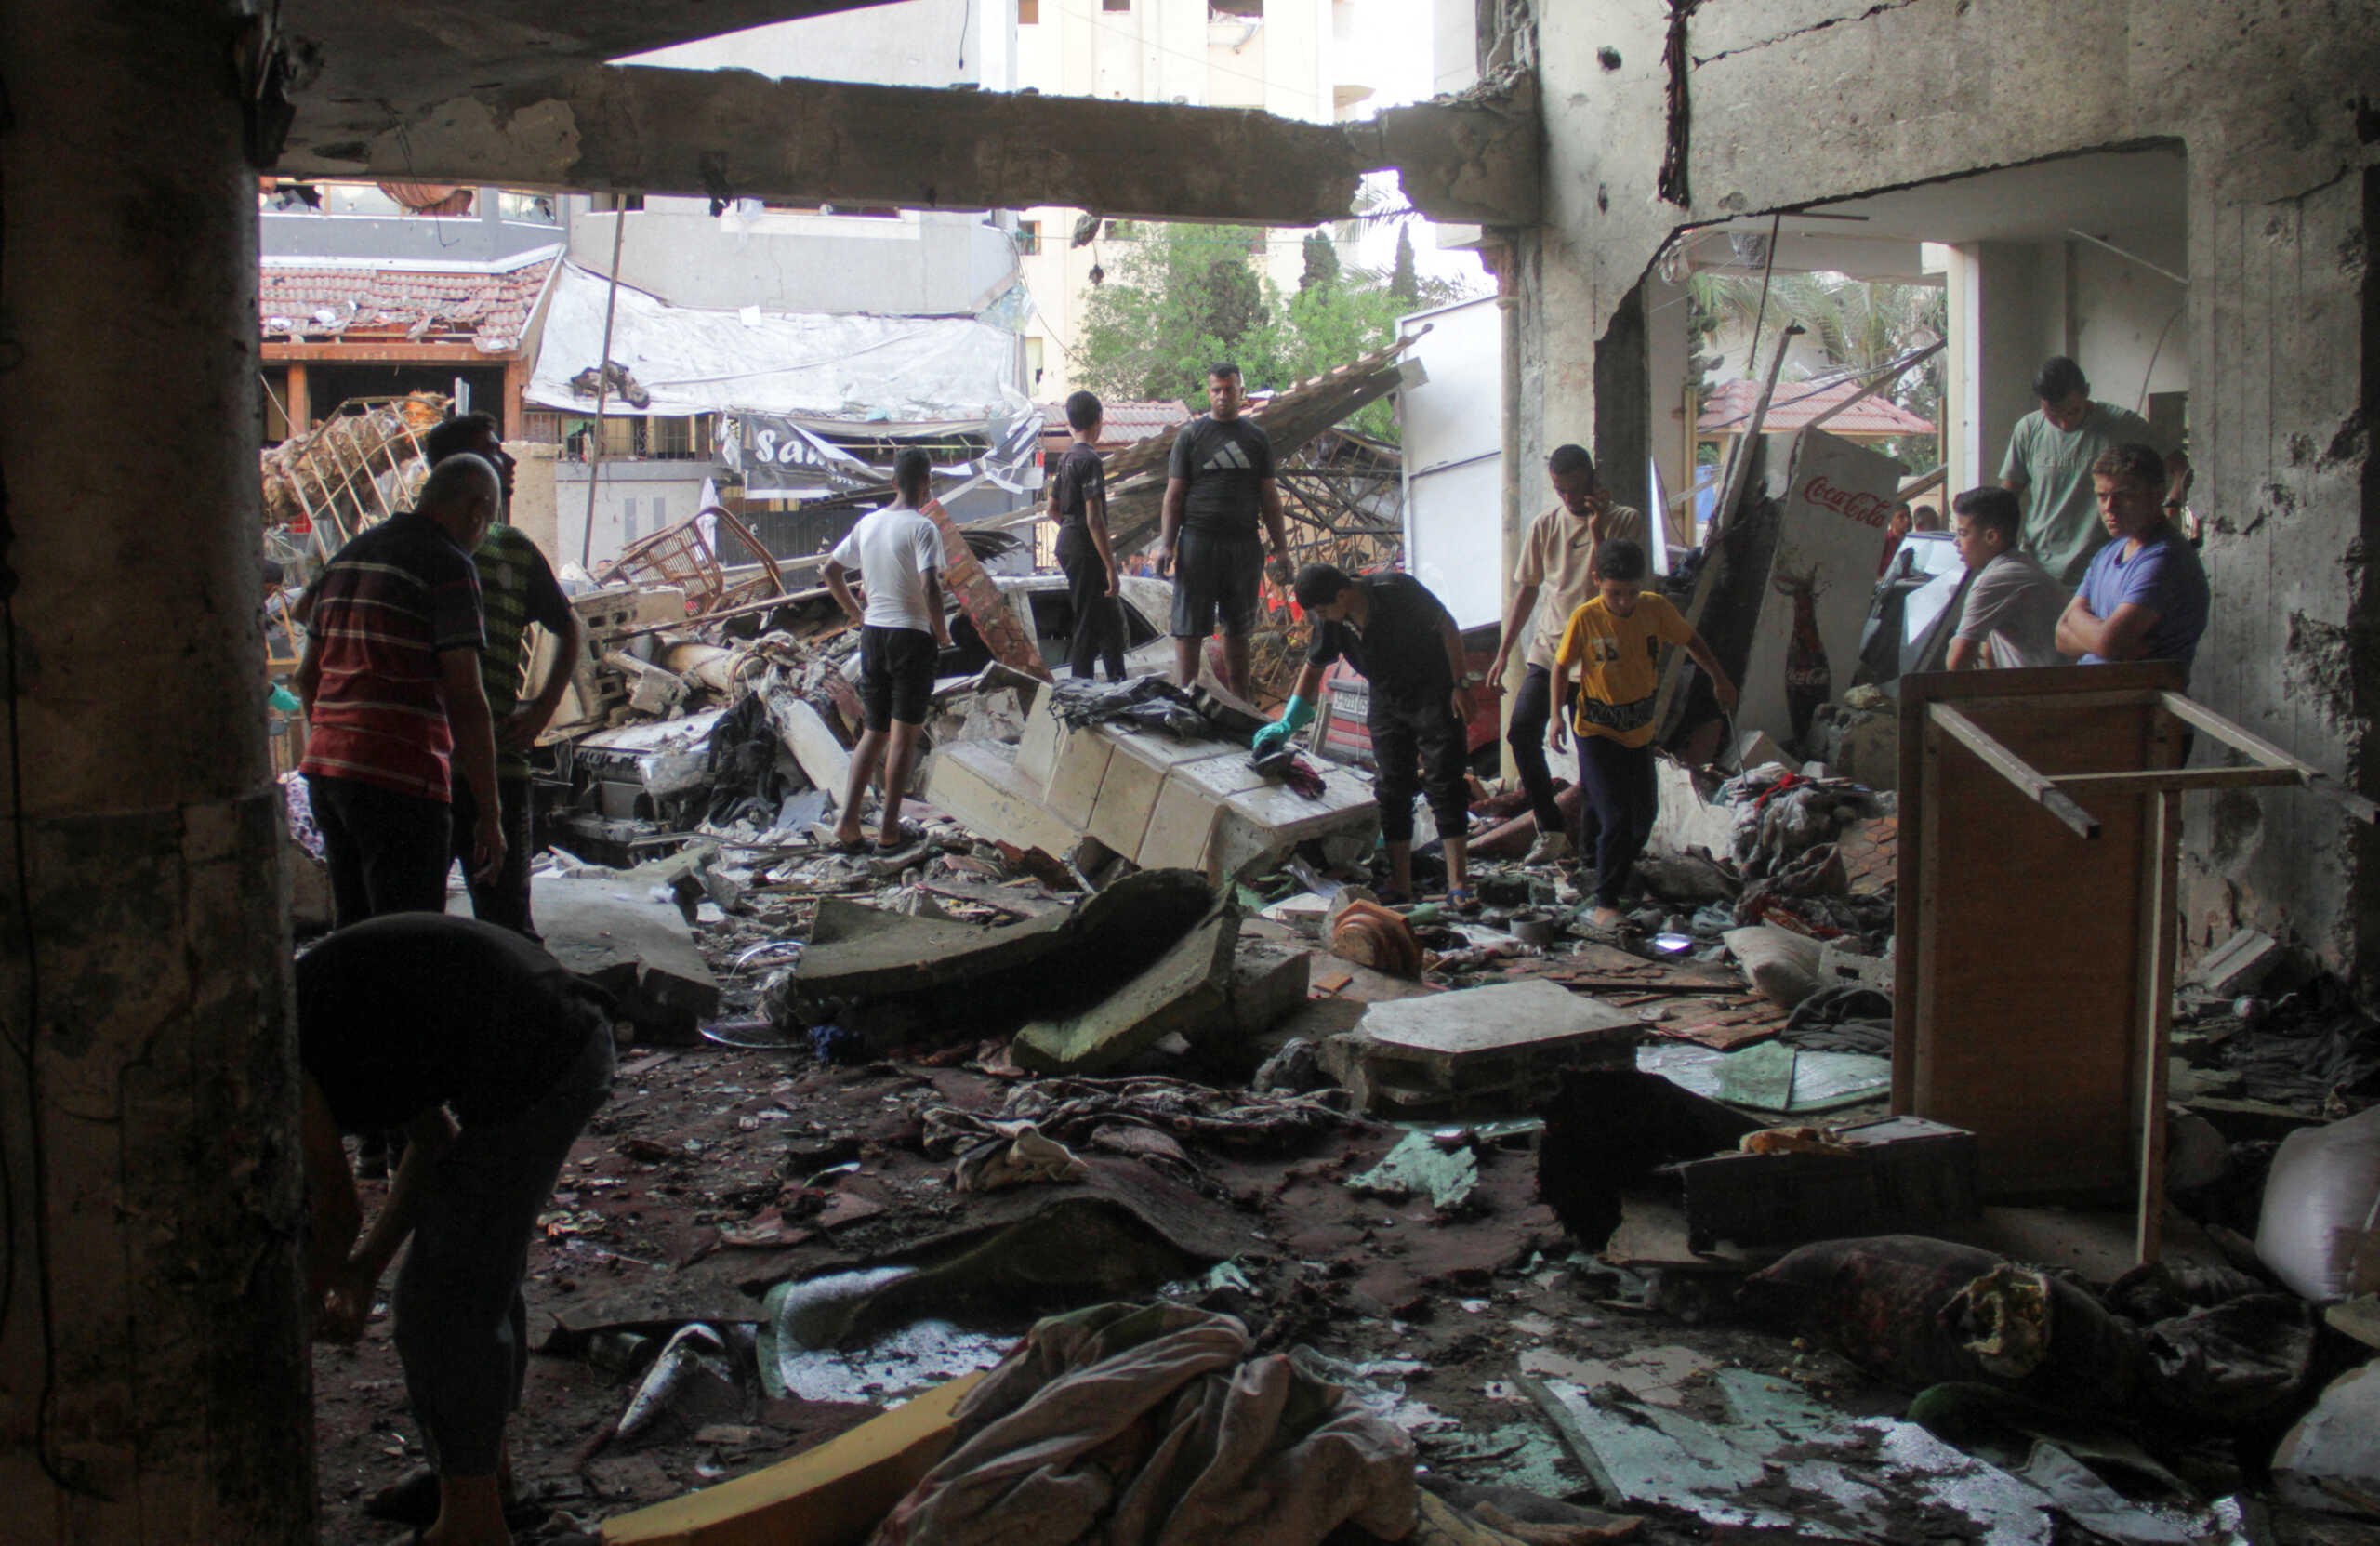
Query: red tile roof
point(1121, 422)
point(489, 310)
point(1797, 402)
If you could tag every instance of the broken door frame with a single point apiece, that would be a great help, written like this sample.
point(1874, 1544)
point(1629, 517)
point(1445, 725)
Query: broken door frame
point(2034, 710)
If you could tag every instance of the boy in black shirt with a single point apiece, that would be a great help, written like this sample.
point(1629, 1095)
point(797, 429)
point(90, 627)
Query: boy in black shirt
point(1078, 503)
point(1404, 641)
point(400, 1019)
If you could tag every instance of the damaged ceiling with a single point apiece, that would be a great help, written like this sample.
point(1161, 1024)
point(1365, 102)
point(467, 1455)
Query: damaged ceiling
point(450, 95)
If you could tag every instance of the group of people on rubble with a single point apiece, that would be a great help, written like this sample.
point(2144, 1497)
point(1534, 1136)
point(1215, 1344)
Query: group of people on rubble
point(457, 1045)
point(2077, 556)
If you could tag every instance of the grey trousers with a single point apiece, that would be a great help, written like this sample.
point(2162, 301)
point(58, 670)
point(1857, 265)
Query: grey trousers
point(461, 1324)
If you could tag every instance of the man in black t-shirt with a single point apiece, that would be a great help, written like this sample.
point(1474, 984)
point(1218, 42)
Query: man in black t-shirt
point(1078, 503)
point(1218, 483)
point(1404, 641)
point(400, 1019)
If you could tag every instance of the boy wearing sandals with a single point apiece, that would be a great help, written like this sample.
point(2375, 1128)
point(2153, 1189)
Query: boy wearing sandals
point(897, 553)
point(1402, 638)
point(1614, 647)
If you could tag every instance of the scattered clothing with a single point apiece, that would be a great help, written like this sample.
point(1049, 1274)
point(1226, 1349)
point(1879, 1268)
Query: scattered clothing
point(1150, 1425)
point(2166, 576)
point(894, 549)
point(2061, 526)
point(2012, 610)
point(1849, 1017)
point(1559, 558)
point(1143, 702)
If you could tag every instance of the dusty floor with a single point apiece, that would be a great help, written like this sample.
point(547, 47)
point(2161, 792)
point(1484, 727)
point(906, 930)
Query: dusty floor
point(685, 1201)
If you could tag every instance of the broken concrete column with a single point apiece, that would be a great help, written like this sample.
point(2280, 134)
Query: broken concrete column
point(153, 1366)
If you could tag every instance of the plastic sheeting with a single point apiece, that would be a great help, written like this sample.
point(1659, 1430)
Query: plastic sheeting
point(885, 371)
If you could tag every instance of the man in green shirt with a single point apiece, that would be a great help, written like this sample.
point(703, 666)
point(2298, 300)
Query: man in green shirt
point(517, 588)
point(2049, 460)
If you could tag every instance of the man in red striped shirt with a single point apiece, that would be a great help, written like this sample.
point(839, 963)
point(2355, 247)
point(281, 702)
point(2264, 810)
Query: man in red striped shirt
point(390, 682)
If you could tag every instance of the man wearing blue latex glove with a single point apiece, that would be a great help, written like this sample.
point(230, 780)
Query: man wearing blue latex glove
point(1403, 639)
point(1296, 714)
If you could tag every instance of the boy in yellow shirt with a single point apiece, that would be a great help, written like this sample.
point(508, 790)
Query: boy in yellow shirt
point(1613, 645)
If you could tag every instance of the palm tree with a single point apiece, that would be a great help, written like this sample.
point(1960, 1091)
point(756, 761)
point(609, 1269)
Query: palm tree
point(1856, 325)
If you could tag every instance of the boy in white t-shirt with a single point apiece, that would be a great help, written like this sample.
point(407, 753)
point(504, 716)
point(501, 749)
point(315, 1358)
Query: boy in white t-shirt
point(897, 553)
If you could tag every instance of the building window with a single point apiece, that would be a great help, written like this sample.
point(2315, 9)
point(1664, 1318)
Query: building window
point(1027, 12)
point(539, 428)
point(678, 440)
point(1236, 8)
point(1034, 351)
point(1028, 237)
point(627, 521)
point(1115, 5)
point(609, 204)
point(536, 209)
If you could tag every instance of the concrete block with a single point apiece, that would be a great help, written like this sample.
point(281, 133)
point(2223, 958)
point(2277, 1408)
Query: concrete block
point(976, 784)
point(1037, 749)
point(1186, 993)
point(1076, 773)
point(1481, 1050)
point(637, 948)
point(814, 744)
point(1137, 766)
point(1268, 982)
point(1183, 826)
point(835, 1495)
point(1261, 825)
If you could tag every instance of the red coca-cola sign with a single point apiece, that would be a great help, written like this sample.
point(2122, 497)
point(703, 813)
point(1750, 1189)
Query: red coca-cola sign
point(1868, 509)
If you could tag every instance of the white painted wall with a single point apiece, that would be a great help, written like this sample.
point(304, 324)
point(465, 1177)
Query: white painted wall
point(1453, 461)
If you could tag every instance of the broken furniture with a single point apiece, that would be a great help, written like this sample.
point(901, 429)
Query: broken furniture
point(830, 1496)
point(683, 556)
point(1161, 803)
point(2034, 966)
point(1485, 1049)
point(1903, 1173)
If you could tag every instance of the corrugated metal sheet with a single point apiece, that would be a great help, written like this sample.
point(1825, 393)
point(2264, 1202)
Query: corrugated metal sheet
point(1797, 402)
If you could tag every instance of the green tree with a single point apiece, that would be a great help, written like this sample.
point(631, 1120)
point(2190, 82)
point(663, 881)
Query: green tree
point(1321, 261)
point(1405, 282)
point(1185, 296)
point(1857, 324)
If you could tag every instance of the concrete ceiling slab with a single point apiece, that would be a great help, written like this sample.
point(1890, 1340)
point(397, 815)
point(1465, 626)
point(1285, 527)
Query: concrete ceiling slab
point(372, 66)
point(2137, 199)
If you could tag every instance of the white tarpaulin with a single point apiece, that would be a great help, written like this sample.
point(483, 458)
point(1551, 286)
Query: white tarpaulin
point(885, 370)
point(1830, 533)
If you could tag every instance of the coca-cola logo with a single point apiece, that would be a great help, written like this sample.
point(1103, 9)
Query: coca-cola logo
point(1868, 509)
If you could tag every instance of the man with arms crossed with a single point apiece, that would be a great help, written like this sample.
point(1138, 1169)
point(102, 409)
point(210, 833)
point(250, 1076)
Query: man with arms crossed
point(897, 554)
point(1555, 576)
point(1219, 481)
point(2145, 596)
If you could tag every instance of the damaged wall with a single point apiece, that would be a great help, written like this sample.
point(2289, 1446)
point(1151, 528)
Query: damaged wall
point(1791, 102)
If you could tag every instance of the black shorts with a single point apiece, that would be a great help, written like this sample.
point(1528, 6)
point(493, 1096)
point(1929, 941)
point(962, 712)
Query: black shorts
point(896, 675)
point(1216, 579)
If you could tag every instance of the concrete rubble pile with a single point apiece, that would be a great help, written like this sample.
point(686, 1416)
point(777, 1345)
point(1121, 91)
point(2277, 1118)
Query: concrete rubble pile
point(1119, 1089)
